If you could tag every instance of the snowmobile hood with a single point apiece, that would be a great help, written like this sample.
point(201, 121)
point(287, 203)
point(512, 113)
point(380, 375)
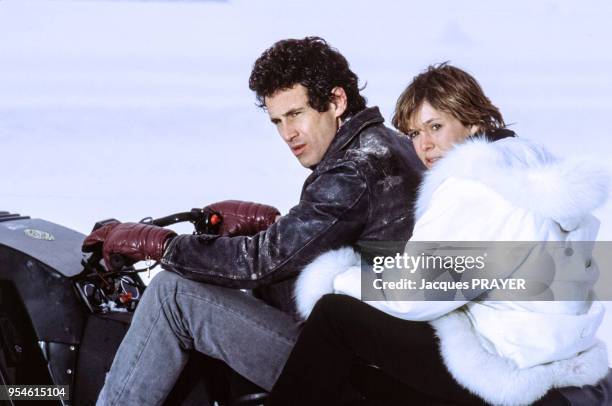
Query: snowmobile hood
point(56, 246)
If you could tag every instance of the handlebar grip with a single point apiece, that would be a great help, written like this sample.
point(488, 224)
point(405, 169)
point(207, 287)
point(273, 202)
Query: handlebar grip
point(117, 262)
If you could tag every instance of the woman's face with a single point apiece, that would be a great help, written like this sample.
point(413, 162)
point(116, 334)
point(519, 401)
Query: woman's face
point(434, 132)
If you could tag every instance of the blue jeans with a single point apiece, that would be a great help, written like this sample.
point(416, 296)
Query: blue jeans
point(177, 315)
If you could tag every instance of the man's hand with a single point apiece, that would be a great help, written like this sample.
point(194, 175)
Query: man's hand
point(135, 241)
point(244, 218)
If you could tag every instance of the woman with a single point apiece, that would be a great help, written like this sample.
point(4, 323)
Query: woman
point(471, 352)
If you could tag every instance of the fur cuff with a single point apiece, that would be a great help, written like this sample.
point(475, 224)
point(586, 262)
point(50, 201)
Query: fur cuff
point(317, 278)
point(497, 380)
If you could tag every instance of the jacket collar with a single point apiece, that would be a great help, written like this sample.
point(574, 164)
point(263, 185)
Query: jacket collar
point(350, 129)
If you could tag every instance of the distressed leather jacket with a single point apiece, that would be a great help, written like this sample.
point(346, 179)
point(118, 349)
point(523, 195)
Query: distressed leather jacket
point(362, 190)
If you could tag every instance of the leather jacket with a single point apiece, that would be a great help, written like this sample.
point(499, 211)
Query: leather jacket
point(362, 190)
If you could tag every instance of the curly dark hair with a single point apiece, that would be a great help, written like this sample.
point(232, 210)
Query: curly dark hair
point(312, 63)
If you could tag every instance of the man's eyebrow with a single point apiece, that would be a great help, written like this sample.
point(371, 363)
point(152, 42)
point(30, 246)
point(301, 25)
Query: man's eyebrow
point(289, 112)
point(295, 110)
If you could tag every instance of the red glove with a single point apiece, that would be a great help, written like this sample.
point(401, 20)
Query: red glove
point(135, 241)
point(244, 218)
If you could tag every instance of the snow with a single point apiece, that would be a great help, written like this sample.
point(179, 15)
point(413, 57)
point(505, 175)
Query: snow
point(141, 108)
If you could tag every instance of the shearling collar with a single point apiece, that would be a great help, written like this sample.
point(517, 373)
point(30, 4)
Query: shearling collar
point(526, 175)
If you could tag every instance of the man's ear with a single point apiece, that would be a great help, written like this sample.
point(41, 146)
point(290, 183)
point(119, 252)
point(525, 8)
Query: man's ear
point(339, 101)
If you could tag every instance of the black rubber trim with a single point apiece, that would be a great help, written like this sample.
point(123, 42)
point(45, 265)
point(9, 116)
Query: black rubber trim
point(6, 216)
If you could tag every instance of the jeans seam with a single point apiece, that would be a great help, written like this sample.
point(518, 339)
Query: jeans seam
point(239, 314)
point(131, 374)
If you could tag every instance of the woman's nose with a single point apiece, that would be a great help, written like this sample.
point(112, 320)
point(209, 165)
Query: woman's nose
point(425, 142)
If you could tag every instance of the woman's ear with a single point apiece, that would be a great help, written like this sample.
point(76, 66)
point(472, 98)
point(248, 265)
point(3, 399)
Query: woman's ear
point(339, 101)
point(474, 129)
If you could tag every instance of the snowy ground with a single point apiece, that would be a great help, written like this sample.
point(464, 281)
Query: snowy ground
point(128, 109)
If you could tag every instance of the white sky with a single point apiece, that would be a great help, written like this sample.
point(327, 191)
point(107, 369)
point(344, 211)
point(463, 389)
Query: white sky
point(128, 109)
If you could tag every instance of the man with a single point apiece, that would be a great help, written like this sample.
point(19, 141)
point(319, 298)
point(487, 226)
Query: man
point(364, 177)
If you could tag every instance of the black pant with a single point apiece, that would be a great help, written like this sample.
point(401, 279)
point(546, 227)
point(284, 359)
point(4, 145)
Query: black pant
point(342, 330)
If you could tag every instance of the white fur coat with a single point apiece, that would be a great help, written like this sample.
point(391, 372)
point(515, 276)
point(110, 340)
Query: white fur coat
point(537, 197)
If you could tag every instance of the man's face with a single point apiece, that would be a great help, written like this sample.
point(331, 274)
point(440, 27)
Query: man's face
point(307, 131)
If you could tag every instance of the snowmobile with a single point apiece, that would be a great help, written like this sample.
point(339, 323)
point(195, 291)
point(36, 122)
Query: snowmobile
point(63, 315)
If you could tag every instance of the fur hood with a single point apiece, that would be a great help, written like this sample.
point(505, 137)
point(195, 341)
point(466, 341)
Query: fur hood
point(526, 175)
